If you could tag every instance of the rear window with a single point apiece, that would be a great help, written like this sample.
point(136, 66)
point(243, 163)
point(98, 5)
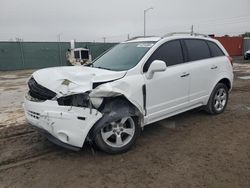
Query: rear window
point(215, 49)
point(197, 49)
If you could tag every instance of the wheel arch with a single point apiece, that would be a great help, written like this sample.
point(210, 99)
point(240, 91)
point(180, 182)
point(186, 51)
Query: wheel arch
point(227, 82)
point(114, 109)
point(225, 78)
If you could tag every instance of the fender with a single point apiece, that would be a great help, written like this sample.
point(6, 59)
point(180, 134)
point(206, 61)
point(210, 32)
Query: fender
point(114, 110)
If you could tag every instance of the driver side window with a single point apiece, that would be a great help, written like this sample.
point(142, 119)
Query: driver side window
point(170, 52)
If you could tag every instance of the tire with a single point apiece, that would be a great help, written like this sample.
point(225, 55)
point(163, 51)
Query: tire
point(118, 136)
point(218, 100)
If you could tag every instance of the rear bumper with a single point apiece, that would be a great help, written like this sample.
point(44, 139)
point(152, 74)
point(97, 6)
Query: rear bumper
point(64, 125)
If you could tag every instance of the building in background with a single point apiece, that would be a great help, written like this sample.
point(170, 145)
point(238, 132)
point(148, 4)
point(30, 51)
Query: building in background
point(234, 45)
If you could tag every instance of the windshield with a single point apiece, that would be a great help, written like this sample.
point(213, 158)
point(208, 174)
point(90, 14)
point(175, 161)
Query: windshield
point(123, 56)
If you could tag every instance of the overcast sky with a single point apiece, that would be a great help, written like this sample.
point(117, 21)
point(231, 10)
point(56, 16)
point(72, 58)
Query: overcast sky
point(91, 20)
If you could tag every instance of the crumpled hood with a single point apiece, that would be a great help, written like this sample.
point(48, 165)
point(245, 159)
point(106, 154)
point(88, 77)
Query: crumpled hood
point(74, 79)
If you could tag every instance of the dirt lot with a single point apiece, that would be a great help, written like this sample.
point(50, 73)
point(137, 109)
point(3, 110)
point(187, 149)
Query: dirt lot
point(189, 150)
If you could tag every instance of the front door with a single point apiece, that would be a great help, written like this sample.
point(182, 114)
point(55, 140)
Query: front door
point(168, 91)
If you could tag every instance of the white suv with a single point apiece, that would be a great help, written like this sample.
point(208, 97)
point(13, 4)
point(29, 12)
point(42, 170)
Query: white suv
point(136, 83)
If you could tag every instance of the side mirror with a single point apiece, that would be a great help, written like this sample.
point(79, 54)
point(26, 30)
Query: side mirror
point(156, 66)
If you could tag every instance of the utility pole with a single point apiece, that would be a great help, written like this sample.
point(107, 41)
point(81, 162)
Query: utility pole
point(104, 39)
point(60, 48)
point(19, 40)
point(128, 37)
point(192, 30)
point(145, 12)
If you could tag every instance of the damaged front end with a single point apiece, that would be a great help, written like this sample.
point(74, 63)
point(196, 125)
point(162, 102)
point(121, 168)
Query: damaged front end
point(65, 120)
point(69, 116)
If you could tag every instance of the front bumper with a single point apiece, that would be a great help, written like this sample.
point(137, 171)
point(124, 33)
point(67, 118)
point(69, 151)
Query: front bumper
point(54, 140)
point(247, 55)
point(64, 125)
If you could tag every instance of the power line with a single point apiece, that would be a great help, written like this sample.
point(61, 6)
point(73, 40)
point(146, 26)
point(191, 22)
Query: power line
point(224, 19)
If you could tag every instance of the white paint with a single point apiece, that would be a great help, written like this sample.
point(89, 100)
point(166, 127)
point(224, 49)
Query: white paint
point(62, 119)
point(80, 78)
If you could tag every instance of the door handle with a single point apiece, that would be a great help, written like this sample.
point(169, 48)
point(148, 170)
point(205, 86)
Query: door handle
point(185, 75)
point(214, 67)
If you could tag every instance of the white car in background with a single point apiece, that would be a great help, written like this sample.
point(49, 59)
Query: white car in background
point(136, 83)
point(247, 55)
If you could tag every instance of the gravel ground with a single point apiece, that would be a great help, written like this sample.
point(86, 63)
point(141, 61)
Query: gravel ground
point(189, 150)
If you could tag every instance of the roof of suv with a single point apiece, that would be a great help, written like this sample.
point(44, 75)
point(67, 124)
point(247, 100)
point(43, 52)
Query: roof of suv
point(178, 36)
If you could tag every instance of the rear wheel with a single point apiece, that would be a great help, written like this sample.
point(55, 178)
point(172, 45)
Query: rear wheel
point(118, 136)
point(218, 99)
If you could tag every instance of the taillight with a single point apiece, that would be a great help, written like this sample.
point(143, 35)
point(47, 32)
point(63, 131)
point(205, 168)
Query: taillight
point(230, 59)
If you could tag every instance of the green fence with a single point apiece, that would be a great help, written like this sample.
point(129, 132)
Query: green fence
point(35, 55)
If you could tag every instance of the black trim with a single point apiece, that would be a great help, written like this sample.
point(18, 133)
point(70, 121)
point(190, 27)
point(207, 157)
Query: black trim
point(144, 94)
point(210, 50)
point(39, 92)
point(55, 140)
point(184, 51)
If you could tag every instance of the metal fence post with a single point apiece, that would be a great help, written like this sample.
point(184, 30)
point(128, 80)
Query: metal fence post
point(21, 50)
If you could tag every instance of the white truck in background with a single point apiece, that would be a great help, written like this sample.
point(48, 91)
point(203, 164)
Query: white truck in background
point(78, 56)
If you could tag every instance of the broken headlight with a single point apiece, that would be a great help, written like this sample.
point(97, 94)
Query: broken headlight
point(80, 100)
point(96, 102)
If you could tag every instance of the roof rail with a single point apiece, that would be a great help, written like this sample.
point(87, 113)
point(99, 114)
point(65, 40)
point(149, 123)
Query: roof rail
point(186, 33)
point(138, 37)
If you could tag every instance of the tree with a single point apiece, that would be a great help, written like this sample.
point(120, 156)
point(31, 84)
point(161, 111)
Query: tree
point(247, 34)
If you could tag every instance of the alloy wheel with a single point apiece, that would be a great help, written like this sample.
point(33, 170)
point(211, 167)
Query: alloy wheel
point(119, 133)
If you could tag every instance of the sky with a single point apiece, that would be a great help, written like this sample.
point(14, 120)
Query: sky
point(85, 20)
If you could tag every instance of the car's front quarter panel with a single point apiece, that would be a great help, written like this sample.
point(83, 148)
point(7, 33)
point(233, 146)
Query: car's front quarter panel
point(129, 86)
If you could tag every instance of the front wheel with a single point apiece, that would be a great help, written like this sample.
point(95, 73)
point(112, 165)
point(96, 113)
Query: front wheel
point(118, 136)
point(218, 99)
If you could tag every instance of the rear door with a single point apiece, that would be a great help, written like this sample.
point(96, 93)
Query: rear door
point(203, 70)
